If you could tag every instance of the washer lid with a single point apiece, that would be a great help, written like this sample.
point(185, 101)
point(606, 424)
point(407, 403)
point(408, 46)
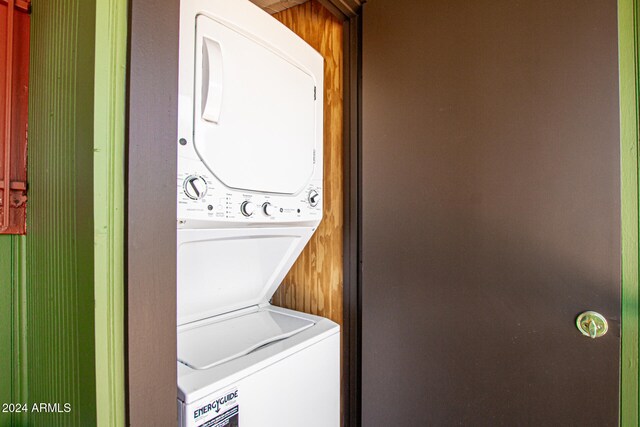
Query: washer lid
point(208, 345)
point(223, 270)
point(254, 111)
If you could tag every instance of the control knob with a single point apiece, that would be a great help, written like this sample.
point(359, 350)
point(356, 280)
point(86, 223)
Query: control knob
point(268, 209)
point(195, 187)
point(314, 198)
point(247, 208)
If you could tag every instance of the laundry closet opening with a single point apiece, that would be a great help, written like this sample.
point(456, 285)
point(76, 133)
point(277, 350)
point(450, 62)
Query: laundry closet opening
point(314, 283)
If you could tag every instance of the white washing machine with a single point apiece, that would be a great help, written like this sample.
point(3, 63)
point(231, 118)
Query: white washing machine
point(249, 199)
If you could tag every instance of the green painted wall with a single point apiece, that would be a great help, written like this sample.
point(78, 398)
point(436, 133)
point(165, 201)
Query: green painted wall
point(59, 243)
point(12, 330)
point(6, 360)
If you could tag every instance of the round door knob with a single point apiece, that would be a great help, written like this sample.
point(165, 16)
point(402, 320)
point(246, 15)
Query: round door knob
point(268, 209)
point(314, 198)
point(195, 187)
point(592, 324)
point(247, 208)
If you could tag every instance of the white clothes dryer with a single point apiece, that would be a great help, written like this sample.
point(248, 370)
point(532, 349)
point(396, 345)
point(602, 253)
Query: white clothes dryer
point(249, 192)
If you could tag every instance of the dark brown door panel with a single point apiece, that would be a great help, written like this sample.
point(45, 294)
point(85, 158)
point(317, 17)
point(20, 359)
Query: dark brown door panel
point(490, 212)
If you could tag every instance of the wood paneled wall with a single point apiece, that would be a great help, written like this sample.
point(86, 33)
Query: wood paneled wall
point(274, 6)
point(314, 284)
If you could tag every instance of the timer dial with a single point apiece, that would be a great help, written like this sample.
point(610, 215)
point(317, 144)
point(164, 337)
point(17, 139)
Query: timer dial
point(314, 198)
point(195, 187)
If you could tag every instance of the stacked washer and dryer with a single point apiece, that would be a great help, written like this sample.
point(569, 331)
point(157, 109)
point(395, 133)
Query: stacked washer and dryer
point(249, 199)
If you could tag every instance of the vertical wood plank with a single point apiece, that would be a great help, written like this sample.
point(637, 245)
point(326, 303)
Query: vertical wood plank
point(314, 284)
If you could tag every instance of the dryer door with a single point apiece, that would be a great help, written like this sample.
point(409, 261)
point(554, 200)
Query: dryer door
point(254, 111)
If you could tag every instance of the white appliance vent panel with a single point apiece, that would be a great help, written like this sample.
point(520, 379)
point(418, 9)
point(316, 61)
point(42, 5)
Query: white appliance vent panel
point(254, 112)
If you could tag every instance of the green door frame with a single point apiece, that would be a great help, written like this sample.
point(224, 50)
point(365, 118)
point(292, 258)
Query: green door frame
point(628, 14)
point(108, 191)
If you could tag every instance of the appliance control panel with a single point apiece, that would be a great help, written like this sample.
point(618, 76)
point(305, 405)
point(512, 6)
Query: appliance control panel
point(202, 198)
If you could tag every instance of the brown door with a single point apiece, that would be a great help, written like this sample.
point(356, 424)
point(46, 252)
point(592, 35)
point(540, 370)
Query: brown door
point(490, 212)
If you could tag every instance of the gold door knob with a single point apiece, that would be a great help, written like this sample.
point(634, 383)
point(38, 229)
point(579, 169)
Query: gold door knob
point(592, 324)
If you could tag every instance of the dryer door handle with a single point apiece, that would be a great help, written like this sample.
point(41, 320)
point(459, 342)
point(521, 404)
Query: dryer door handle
point(211, 80)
